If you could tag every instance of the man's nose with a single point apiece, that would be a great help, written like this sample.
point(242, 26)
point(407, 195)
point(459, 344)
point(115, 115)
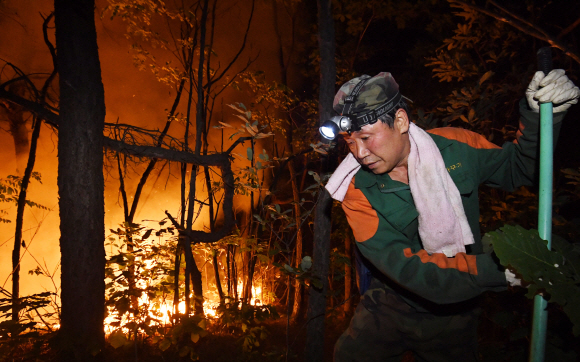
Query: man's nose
point(361, 150)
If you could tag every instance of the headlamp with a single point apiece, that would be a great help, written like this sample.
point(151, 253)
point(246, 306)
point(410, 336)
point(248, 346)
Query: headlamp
point(355, 121)
point(331, 128)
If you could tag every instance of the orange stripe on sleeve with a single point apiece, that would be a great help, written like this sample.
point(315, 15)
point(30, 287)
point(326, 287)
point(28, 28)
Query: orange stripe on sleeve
point(519, 133)
point(361, 216)
point(473, 139)
point(462, 262)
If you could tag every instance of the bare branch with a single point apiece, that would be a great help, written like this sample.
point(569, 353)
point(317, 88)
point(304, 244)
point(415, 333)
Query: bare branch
point(238, 141)
point(152, 162)
point(34, 107)
point(570, 28)
point(524, 27)
point(221, 160)
point(242, 47)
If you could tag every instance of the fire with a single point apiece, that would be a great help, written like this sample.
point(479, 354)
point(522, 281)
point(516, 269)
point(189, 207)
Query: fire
point(162, 313)
point(256, 294)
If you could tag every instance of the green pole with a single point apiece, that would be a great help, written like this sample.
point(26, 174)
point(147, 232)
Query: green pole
point(540, 316)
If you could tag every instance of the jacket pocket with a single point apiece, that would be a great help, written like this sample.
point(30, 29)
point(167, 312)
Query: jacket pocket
point(464, 184)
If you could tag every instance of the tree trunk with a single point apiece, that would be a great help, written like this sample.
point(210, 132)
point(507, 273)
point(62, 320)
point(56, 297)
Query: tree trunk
point(187, 274)
point(348, 274)
point(231, 270)
point(190, 264)
point(320, 266)
point(247, 257)
point(212, 218)
point(196, 281)
point(321, 254)
point(80, 181)
point(297, 312)
point(247, 298)
point(218, 282)
point(20, 221)
point(284, 62)
point(129, 244)
point(197, 286)
point(235, 274)
point(176, 269)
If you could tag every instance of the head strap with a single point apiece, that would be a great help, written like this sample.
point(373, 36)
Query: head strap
point(360, 120)
point(373, 115)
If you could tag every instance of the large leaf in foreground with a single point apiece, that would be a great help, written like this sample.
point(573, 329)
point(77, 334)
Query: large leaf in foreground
point(553, 273)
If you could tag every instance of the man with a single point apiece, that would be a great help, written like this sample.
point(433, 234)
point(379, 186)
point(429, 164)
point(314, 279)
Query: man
point(414, 212)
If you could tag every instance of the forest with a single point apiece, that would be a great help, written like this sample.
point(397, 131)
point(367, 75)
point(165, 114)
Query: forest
point(162, 173)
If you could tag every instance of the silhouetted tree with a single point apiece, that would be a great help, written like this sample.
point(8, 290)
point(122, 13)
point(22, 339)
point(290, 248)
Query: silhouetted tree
point(322, 225)
point(80, 181)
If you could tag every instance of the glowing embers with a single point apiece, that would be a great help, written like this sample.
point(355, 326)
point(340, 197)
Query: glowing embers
point(160, 313)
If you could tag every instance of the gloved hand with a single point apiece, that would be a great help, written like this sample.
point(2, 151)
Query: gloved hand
point(512, 279)
point(554, 87)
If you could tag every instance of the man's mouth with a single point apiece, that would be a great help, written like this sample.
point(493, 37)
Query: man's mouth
point(371, 164)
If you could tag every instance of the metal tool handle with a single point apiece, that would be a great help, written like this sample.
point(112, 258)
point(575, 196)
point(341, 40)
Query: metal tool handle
point(545, 60)
point(540, 317)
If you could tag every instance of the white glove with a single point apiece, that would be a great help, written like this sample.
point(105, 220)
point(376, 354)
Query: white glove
point(555, 88)
point(512, 279)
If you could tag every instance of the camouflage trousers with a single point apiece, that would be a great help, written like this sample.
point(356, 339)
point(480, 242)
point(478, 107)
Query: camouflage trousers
point(384, 327)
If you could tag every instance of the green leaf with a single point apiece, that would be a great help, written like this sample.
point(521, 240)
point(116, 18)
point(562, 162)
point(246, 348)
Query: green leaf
point(194, 337)
point(263, 258)
point(317, 283)
point(184, 351)
point(236, 108)
point(306, 263)
point(202, 324)
point(553, 273)
point(147, 234)
point(250, 153)
point(165, 344)
point(226, 124)
point(315, 175)
point(117, 339)
point(485, 77)
point(526, 252)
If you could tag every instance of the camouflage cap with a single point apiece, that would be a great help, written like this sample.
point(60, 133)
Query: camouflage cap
point(376, 91)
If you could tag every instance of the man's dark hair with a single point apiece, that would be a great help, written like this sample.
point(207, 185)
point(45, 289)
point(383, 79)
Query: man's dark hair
point(389, 118)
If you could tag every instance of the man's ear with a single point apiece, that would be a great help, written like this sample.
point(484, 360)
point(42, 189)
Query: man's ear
point(401, 121)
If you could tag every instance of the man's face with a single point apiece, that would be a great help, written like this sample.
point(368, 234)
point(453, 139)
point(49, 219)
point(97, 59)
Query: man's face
point(379, 147)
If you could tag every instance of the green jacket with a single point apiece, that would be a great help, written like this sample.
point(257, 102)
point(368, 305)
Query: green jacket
point(383, 217)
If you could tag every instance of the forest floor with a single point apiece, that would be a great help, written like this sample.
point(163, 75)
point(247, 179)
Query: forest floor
point(284, 343)
point(504, 329)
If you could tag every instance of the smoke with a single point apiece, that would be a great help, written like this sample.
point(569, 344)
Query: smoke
point(23, 46)
point(132, 97)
